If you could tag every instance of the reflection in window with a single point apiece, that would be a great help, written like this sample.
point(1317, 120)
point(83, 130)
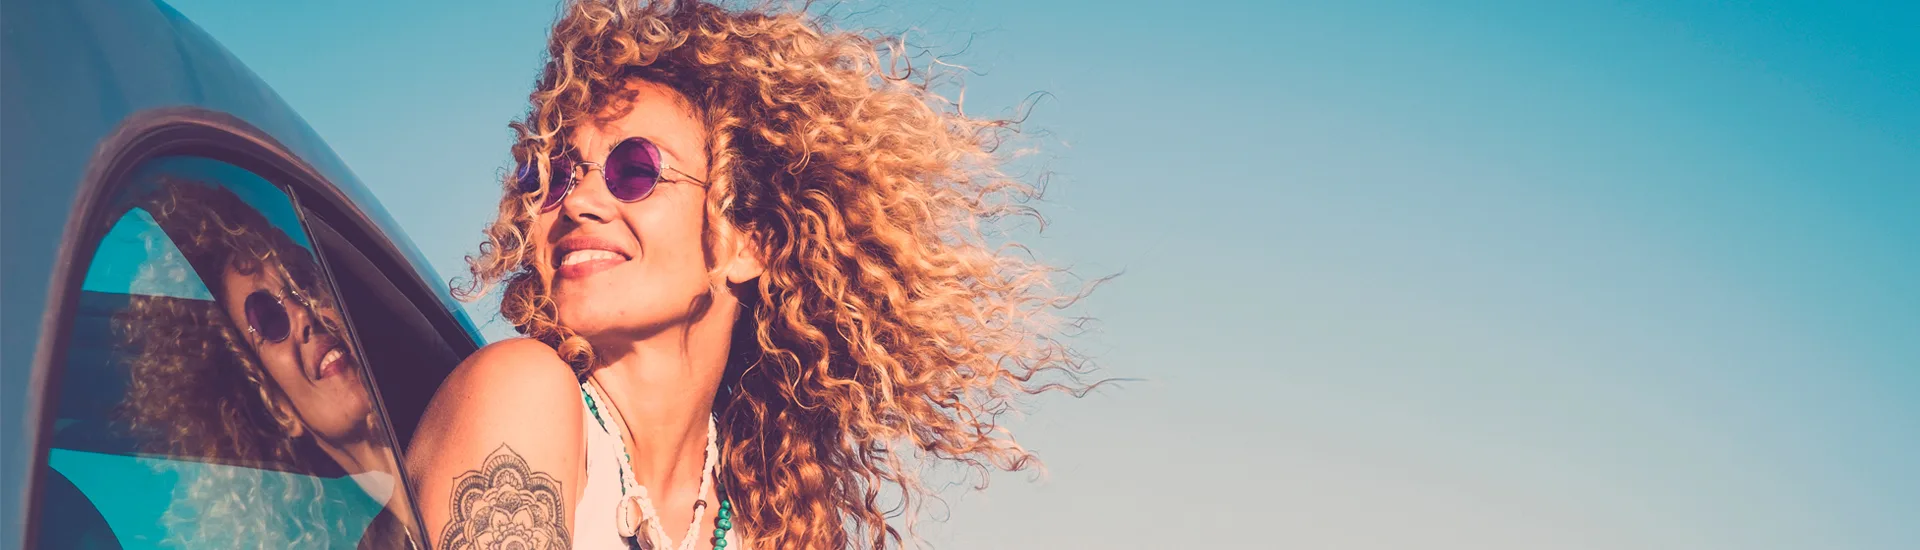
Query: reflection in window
point(211, 398)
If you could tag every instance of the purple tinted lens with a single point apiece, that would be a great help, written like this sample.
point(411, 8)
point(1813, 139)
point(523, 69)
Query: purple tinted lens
point(529, 178)
point(267, 317)
point(562, 183)
point(632, 169)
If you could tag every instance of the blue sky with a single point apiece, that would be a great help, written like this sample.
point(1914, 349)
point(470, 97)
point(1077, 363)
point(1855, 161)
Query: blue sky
point(1397, 274)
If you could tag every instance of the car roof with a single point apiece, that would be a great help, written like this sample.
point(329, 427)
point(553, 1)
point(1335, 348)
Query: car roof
point(70, 73)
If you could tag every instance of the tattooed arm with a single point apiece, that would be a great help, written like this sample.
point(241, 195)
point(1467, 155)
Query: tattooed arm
point(497, 457)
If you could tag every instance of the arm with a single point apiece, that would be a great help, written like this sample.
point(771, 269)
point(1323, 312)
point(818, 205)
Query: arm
point(498, 454)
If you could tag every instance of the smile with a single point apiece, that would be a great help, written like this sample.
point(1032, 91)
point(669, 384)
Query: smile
point(582, 256)
point(579, 256)
point(331, 363)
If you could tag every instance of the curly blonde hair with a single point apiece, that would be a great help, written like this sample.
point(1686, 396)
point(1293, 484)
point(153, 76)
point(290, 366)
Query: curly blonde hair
point(885, 329)
point(198, 391)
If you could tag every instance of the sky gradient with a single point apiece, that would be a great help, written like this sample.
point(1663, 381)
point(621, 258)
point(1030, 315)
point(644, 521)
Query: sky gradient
point(1492, 275)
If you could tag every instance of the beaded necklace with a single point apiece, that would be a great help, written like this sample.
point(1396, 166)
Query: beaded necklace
point(636, 510)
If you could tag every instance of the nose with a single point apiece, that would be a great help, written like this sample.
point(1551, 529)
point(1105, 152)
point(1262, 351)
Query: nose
point(302, 319)
point(589, 199)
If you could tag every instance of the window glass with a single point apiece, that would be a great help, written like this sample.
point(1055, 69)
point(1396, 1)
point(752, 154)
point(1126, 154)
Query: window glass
point(211, 395)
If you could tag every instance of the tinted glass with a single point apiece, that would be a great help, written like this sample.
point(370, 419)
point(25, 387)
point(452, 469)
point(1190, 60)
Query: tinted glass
point(212, 397)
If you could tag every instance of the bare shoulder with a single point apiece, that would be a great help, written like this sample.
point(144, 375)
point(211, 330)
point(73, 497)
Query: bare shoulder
point(519, 365)
point(505, 388)
point(502, 434)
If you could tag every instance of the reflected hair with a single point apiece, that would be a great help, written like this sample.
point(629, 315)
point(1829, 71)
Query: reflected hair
point(886, 335)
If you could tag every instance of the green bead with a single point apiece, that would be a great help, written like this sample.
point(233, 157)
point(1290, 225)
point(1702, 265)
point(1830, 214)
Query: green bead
point(724, 512)
point(719, 533)
point(719, 543)
point(724, 523)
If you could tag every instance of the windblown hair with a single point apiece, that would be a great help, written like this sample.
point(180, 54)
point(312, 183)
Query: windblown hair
point(198, 391)
point(886, 335)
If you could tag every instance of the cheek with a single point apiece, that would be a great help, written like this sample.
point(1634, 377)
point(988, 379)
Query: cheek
point(672, 245)
point(537, 246)
point(282, 370)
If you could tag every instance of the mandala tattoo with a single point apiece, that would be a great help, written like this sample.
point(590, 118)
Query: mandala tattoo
point(505, 505)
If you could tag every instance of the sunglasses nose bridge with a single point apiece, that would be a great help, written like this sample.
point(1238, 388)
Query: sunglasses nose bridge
point(578, 179)
point(582, 168)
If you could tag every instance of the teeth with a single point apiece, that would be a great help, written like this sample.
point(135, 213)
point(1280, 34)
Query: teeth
point(332, 356)
point(579, 256)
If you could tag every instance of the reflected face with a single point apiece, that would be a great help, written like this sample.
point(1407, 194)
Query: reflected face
point(631, 269)
point(303, 352)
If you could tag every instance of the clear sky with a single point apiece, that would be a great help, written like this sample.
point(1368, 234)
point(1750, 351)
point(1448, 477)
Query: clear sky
point(1474, 275)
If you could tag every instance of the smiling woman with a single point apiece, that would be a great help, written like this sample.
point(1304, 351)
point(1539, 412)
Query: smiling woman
point(748, 257)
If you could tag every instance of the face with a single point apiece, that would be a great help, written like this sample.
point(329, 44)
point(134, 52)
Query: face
point(310, 365)
point(627, 270)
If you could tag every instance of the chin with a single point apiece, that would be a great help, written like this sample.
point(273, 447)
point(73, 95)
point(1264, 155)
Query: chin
point(597, 323)
point(353, 403)
point(576, 311)
point(591, 324)
point(606, 312)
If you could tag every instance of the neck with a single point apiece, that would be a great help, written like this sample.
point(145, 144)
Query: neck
point(362, 455)
point(663, 390)
point(358, 455)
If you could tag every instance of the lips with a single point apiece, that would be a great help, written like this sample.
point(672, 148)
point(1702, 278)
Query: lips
point(335, 361)
point(581, 255)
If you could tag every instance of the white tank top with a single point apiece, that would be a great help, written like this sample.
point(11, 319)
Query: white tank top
point(594, 522)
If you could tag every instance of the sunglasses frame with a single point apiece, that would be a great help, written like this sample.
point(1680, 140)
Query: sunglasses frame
point(578, 169)
point(280, 302)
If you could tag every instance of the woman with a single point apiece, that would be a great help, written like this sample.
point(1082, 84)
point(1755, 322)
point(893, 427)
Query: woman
point(260, 378)
point(748, 261)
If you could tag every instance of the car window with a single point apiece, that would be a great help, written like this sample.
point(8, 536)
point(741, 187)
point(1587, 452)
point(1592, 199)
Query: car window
point(411, 342)
point(212, 395)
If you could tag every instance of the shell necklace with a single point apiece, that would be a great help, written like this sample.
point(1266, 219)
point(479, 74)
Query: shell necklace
point(636, 511)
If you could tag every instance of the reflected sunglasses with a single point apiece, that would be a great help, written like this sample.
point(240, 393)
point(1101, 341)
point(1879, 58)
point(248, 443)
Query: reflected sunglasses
point(267, 314)
point(632, 170)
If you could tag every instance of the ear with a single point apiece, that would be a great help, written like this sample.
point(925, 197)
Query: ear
point(742, 256)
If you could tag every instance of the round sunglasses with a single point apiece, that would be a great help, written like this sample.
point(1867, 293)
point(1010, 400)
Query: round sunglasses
point(267, 314)
point(631, 170)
